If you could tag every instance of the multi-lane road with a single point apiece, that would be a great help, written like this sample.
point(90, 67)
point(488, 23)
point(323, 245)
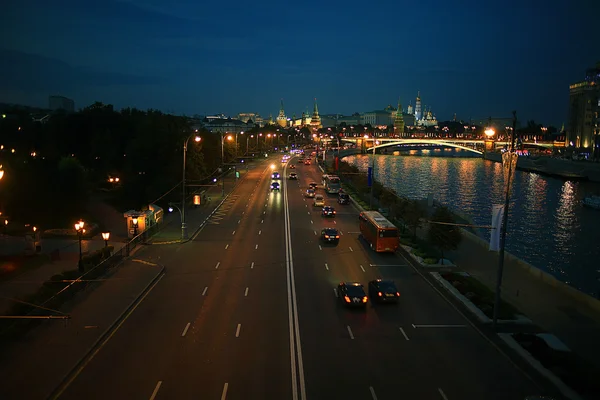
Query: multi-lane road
point(248, 310)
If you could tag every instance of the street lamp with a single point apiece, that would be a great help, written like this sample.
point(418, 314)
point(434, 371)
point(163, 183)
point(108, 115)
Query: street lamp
point(1, 172)
point(509, 159)
point(80, 231)
point(372, 174)
point(134, 220)
point(105, 236)
point(184, 234)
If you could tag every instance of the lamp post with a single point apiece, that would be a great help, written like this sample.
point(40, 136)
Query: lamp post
point(80, 231)
point(105, 236)
point(498, 297)
point(184, 234)
point(134, 220)
point(372, 173)
point(229, 137)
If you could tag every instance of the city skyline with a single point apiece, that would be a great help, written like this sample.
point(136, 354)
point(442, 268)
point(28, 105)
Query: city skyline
point(182, 59)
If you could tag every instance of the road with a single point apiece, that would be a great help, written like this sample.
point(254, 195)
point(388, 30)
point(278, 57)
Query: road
point(247, 310)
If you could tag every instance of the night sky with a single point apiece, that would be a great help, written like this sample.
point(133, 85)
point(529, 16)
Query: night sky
point(473, 58)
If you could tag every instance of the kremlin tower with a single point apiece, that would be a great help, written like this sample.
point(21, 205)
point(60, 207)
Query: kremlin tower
point(315, 121)
point(281, 119)
point(399, 120)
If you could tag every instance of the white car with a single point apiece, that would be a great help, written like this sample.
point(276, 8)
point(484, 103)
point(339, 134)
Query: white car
point(319, 201)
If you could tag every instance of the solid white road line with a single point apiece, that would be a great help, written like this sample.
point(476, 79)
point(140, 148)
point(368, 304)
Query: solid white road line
point(350, 248)
point(224, 394)
point(373, 395)
point(442, 394)
point(326, 267)
point(404, 334)
point(438, 326)
point(226, 247)
point(233, 233)
point(256, 247)
point(204, 291)
point(252, 265)
point(155, 392)
point(217, 266)
point(246, 293)
point(361, 267)
point(185, 329)
point(350, 332)
point(259, 232)
point(237, 331)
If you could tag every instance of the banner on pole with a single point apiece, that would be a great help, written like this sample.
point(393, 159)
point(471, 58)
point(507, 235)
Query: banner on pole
point(497, 213)
point(370, 176)
point(509, 162)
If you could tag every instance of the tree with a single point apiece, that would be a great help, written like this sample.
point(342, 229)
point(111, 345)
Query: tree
point(412, 214)
point(443, 236)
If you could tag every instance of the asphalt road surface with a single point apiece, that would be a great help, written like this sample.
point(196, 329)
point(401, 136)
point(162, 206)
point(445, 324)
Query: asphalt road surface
point(248, 310)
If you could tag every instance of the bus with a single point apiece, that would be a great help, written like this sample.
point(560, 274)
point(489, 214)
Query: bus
point(380, 233)
point(332, 184)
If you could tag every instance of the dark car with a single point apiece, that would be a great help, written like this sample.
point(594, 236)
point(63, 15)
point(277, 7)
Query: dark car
point(292, 166)
point(293, 175)
point(275, 175)
point(330, 235)
point(328, 211)
point(313, 185)
point(384, 291)
point(352, 294)
point(301, 160)
point(343, 198)
point(275, 186)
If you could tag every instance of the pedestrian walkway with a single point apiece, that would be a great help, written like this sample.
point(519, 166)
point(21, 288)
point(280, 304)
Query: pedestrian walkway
point(571, 319)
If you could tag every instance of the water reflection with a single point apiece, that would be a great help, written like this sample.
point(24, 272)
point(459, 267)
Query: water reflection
point(547, 227)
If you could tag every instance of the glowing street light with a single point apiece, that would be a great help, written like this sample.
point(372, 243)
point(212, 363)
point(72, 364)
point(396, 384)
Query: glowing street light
point(105, 236)
point(80, 231)
point(489, 132)
point(184, 235)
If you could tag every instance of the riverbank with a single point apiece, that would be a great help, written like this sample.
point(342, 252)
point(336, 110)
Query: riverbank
point(555, 167)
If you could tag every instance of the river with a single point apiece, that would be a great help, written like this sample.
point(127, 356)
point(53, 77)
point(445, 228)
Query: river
point(547, 226)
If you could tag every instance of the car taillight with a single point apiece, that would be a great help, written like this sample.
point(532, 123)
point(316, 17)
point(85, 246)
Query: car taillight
point(337, 236)
point(397, 294)
point(347, 299)
point(379, 294)
point(365, 299)
point(334, 212)
point(326, 236)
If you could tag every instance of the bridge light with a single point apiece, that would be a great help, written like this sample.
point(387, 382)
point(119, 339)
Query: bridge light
point(489, 132)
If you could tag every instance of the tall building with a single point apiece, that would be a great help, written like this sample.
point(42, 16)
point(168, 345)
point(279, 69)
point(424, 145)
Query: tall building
point(418, 113)
point(61, 103)
point(584, 110)
point(281, 118)
point(399, 120)
point(315, 121)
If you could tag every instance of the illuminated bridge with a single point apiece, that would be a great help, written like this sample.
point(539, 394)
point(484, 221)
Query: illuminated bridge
point(474, 145)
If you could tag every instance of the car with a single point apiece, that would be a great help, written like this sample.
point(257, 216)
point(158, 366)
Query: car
point(306, 162)
point(383, 291)
point(330, 235)
point(293, 175)
point(328, 211)
point(292, 166)
point(319, 200)
point(300, 160)
point(275, 175)
point(343, 198)
point(275, 186)
point(352, 294)
point(313, 185)
point(310, 193)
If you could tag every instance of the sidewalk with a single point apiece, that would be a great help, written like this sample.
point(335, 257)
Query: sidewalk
point(574, 322)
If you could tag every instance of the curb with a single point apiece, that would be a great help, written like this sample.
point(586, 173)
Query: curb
point(559, 384)
point(63, 384)
point(473, 308)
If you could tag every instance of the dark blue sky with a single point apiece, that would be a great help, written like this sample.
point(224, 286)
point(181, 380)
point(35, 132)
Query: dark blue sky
point(475, 58)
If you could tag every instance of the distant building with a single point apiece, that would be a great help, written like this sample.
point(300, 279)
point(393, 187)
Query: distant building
point(281, 118)
point(399, 120)
point(254, 117)
point(315, 121)
point(584, 110)
point(221, 125)
point(61, 103)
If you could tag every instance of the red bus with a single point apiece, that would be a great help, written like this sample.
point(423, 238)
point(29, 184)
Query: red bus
point(380, 233)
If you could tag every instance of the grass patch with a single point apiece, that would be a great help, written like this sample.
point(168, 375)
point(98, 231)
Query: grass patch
point(480, 295)
point(12, 266)
point(574, 371)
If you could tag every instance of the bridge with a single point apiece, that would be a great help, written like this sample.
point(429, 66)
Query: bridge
point(473, 145)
